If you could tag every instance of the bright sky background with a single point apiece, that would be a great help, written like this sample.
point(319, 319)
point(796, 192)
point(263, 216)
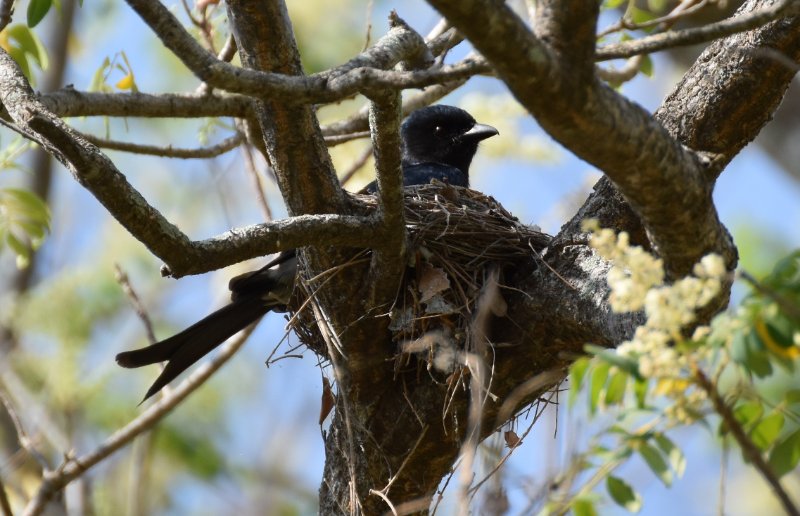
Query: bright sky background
point(281, 420)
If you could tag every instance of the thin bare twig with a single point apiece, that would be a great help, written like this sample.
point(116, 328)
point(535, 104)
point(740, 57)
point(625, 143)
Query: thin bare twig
point(749, 449)
point(786, 306)
point(357, 165)
point(255, 178)
point(124, 282)
point(672, 39)
point(536, 416)
point(537, 383)
point(45, 425)
point(73, 468)
point(169, 151)
point(621, 75)
point(683, 9)
point(332, 141)
point(25, 442)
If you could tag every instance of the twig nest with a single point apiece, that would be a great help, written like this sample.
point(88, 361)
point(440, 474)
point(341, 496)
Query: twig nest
point(457, 240)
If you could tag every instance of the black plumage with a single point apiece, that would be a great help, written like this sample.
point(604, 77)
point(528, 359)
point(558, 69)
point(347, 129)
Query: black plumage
point(439, 143)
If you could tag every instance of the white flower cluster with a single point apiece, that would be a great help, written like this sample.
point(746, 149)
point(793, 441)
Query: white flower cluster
point(636, 279)
point(687, 408)
point(633, 273)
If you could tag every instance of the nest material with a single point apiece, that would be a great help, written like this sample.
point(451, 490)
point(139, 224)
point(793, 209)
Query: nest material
point(457, 239)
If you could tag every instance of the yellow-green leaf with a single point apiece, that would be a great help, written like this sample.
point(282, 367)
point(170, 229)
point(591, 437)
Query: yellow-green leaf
point(785, 456)
point(766, 431)
point(37, 9)
point(622, 493)
point(126, 82)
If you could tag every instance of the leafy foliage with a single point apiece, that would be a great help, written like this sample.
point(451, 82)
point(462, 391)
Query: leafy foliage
point(24, 221)
point(741, 350)
point(25, 47)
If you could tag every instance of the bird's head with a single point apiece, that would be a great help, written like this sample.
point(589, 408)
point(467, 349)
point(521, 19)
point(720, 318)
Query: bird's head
point(442, 134)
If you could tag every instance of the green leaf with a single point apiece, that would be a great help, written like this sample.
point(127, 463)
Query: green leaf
point(792, 396)
point(646, 67)
point(24, 220)
point(22, 61)
point(766, 431)
point(622, 493)
point(638, 16)
point(610, 356)
point(583, 507)
point(748, 413)
point(598, 381)
point(757, 359)
point(17, 246)
point(640, 391)
point(785, 456)
point(29, 43)
point(577, 372)
point(739, 347)
point(612, 4)
point(197, 453)
point(656, 462)
point(677, 460)
point(29, 204)
point(37, 9)
point(616, 388)
point(785, 277)
point(782, 330)
point(99, 76)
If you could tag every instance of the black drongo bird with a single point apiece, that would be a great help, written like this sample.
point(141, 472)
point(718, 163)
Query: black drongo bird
point(439, 142)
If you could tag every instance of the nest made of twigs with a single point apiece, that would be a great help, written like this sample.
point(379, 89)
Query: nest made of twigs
point(458, 240)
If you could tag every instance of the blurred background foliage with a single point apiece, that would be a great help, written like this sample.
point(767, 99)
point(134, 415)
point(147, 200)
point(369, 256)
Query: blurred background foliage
point(248, 442)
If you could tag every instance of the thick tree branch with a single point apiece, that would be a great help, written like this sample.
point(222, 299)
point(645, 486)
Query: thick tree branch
point(69, 102)
point(292, 136)
point(6, 9)
point(568, 28)
point(651, 168)
point(248, 242)
point(388, 260)
point(733, 89)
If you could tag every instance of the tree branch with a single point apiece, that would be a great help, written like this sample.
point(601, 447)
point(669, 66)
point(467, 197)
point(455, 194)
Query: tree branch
point(69, 102)
point(197, 257)
point(6, 10)
point(328, 86)
point(651, 169)
point(388, 260)
point(693, 36)
point(97, 173)
point(71, 469)
point(292, 136)
point(733, 89)
point(749, 449)
point(169, 151)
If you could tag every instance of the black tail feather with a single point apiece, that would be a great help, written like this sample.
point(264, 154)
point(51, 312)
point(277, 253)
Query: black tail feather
point(187, 347)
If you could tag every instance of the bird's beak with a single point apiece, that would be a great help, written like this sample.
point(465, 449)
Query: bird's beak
point(480, 132)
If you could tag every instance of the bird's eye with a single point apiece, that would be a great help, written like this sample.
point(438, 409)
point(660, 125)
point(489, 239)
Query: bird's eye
point(437, 129)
